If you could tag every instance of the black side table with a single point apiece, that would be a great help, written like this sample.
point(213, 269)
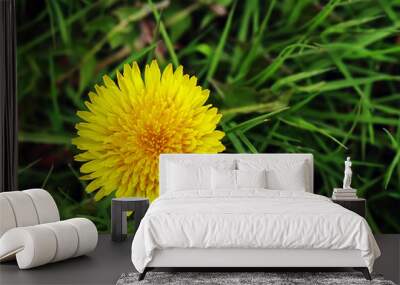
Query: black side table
point(357, 205)
point(119, 207)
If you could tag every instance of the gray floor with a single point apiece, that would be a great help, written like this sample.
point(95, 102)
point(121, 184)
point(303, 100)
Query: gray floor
point(103, 266)
point(389, 262)
point(110, 260)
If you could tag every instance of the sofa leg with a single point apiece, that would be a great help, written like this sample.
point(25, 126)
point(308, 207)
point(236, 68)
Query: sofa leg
point(142, 275)
point(364, 271)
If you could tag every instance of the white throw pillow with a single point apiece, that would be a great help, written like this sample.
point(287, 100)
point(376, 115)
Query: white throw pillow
point(292, 179)
point(223, 179)
point(251, 178)
point(281, 175)
point(188, 177)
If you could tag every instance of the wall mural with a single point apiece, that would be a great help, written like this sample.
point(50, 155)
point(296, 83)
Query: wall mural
point(102, 91)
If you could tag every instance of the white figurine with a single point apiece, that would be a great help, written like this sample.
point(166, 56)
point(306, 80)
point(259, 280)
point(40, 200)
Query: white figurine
point(347, 174)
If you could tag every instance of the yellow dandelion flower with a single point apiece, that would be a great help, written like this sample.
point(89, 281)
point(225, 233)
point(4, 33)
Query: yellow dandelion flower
point(129, 124)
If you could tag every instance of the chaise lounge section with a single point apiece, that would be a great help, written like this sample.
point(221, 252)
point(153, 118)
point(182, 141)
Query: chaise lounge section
point(31, 231)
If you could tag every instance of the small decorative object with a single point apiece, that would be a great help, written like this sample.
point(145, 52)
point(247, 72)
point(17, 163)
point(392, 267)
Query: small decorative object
point(347, 174)
point(346, 192)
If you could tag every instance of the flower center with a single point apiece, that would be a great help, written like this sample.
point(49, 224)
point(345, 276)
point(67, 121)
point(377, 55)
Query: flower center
point(154, 140)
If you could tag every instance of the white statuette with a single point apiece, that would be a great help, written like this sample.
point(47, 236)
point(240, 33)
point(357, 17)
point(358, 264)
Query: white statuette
point(347, 174)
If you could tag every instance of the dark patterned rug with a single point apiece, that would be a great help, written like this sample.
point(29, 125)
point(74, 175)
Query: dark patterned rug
point(236, 278)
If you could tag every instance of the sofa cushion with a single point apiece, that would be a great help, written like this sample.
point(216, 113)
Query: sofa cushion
point(40, 244)
point(26, 208)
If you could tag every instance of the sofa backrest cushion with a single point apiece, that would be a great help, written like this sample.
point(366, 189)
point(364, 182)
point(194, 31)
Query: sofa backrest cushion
point(26, 208)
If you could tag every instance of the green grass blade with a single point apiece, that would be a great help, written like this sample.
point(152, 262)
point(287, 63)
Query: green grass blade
point(237, 144)
point(273, 67)
point(29, 166)
point(389, 11)
point(288, 80)
point(255, 121)
point(63, 27)
point(51, 20)
point(393, 141)
point(216, 57)
point(44, 184)
point(343, 27)
point(256, 44)
point(365, 103)
point(302, 124)
point(164, 34)
point(346, 83)
point(134, 57)
point(41, 38)
point(395, 160)
point(44, 138)
point(249, 8)
point(313, 24)
point(73, 171)
point(55, 114)
point(247, 142)
point(260, 107)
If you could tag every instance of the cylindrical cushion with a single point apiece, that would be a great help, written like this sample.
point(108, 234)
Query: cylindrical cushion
point(45, 205)
point(67, 240)
point(87, 235)
point(7, 218)
point(33, 246)
point(41, 244)
point(23, 208)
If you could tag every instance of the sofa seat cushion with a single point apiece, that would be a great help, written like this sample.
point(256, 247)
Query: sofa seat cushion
point(33, 246)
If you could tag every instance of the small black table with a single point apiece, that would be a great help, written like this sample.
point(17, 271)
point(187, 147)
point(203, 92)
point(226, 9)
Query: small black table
point(357, 205)
point(119, 207)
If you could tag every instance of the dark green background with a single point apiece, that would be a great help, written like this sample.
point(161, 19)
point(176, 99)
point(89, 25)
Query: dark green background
point(320, 77)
